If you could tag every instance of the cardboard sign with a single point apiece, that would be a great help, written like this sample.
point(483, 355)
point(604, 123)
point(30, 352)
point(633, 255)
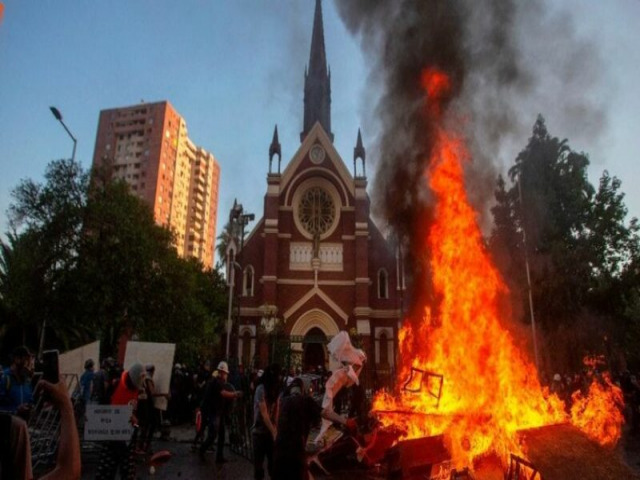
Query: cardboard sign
point(72, 361)
point(159, 354)
point(108, 422)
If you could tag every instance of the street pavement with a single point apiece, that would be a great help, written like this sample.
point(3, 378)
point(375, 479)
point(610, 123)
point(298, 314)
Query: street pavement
point(186, 464)
point(183, 464)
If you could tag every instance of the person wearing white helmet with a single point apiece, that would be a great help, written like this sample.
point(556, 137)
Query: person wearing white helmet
point(557, 386)
point(215, 394)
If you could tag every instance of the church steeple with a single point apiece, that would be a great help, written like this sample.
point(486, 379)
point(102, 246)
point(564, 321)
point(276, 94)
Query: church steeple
point(275, 149)
point(317, 81)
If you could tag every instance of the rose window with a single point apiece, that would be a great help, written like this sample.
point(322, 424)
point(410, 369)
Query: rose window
point(316, 211)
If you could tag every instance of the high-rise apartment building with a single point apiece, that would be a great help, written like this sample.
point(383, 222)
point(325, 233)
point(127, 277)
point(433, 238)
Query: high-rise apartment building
point(148, 147)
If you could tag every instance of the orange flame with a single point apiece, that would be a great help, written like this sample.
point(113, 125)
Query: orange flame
point(598, 413)
point(490, 388)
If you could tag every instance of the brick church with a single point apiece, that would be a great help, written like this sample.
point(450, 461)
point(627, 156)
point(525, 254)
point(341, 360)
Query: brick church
point(316, 263)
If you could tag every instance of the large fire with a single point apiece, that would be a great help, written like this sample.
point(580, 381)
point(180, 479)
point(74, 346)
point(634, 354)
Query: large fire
point(490, 389)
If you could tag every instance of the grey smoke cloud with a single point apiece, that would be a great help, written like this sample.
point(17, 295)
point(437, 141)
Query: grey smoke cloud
point(508, 61)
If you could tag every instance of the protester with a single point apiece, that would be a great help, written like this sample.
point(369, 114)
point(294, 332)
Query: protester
point(16, 395)
point(15, 453)
point(101, 382)
point(86, 381)
point(297, 413)
point(179, 408)
point(212, 411)
point(263, 431)
point(148, 414)
point(115, 455)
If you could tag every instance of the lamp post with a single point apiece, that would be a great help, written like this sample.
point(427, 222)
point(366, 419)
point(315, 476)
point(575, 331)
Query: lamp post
point(231, 275)
point(237, 221)
point(58, 115)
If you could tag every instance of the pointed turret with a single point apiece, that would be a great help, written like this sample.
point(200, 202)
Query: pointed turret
point(275, 149)
point(317, 81)
point(359, 153)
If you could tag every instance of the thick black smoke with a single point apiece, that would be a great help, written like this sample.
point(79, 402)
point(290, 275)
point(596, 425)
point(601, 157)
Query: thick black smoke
point(508, 61)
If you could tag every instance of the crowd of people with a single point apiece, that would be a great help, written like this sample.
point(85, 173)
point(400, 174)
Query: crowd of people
point(283, 410)
point(283, 406)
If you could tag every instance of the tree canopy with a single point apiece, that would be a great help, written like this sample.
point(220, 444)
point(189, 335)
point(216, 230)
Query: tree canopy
point(86, 256)
point(582, 251)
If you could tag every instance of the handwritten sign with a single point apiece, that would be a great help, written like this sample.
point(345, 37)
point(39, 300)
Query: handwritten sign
point(108, 422)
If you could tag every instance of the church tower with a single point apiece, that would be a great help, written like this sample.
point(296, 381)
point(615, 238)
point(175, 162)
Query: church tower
point(315, 263)
point(317, 81)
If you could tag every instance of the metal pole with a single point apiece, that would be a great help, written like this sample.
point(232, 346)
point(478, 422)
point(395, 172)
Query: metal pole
point(526, 263)
point(56, 113)
point(73, 154)
point(232, 274)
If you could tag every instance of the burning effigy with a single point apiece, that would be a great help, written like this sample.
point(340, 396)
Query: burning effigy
point(346, 364)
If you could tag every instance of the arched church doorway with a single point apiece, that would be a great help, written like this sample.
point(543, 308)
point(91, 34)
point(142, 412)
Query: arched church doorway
point(313, 347)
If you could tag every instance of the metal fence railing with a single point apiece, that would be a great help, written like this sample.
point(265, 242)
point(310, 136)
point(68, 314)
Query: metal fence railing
point(44, 428)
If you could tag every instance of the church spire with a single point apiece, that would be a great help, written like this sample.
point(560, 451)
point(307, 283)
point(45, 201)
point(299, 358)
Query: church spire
point(275, 149)
point(317, 81)
point(359, 153)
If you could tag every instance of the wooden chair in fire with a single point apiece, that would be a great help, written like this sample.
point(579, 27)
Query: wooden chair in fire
point(521, 469)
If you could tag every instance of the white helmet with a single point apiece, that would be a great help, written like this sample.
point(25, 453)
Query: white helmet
point(223, 367)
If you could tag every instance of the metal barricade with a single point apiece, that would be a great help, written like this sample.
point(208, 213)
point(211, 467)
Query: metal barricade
point(241, 419)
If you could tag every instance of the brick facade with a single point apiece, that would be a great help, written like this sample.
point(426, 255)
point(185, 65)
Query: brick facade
point(347, 279)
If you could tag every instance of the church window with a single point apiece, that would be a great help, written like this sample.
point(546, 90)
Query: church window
point(317, 211)
point(383, 283)
point(247, 282)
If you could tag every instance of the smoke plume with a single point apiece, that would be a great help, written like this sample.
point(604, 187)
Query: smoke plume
point(507, 61)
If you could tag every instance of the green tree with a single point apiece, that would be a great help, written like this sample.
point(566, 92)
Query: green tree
point(578, 242)
point(93, 263)
point(46, 222)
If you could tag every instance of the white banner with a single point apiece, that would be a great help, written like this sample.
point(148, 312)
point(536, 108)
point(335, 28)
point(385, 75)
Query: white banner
point(158, 354)
point(108, 422)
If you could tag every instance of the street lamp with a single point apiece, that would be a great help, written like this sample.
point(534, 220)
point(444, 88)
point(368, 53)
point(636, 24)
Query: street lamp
point(58, 115)
point(237, 221)
point(231, 275)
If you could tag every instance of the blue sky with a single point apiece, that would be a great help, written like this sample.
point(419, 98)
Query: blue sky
point(233, 69)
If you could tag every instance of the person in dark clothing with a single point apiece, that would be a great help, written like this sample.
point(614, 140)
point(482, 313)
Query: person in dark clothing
point(263, 431)
point(101, 380)
point(16, 395)
point(212, 408)
point(297, 413)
